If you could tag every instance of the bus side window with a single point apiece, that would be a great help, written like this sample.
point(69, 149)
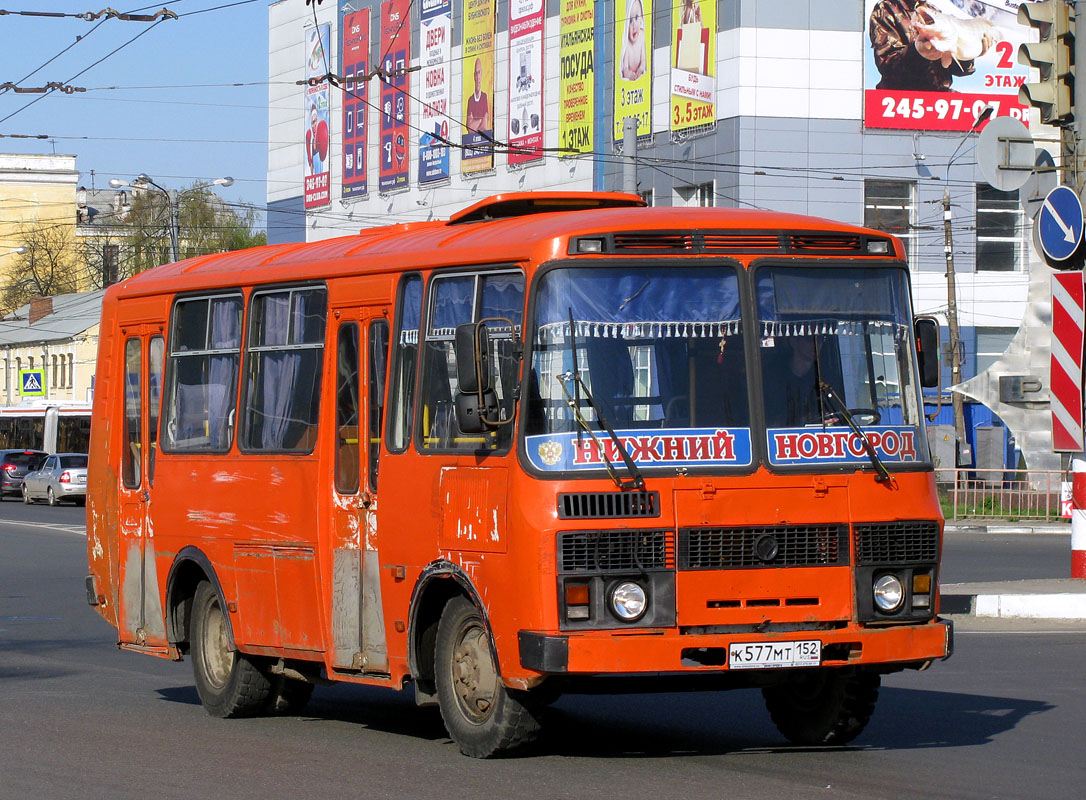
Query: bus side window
point(156, 354)
point(405, 364)
point(283, 367)
point(378, 373)
point(205, 348)
point(133, 391)
point(347, 409)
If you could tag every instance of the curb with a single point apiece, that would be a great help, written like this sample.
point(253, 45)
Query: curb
point(1061, 605)
point(1064, 530)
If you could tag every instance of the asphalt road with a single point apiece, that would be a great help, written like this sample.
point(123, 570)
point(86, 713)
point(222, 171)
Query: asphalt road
point(80, 719)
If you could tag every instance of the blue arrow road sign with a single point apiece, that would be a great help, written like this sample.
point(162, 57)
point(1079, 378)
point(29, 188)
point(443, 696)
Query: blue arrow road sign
point(1060, 223)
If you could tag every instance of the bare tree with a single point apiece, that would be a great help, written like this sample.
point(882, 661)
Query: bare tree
point(49, 265)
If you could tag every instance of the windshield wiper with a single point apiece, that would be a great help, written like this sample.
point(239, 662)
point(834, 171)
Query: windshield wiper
point(573, 400)
point(637, 481)
point(827, 391)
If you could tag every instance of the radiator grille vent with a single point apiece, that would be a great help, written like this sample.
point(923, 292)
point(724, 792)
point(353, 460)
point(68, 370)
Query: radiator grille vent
point(772, 546)
point(608, 505)
point(650, 242)
point(732, 242)
point(897, 542)
point(615, 551)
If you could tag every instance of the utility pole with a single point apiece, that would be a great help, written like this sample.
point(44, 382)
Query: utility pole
point(962, 452)
point(174, 201)
point(629, 150)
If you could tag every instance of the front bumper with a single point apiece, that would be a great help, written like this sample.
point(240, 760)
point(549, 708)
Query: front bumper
point(657, 651)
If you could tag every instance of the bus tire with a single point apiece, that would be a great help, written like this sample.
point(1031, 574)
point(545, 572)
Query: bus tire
point(482, 716)
point(823, 706)
point(229, 683)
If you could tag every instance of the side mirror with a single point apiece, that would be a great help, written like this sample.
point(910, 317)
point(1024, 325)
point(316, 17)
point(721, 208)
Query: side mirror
point(926, 331)
point(471, 415)
point(473, 358)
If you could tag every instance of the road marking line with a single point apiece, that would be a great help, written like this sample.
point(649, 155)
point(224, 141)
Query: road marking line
point(80, 530)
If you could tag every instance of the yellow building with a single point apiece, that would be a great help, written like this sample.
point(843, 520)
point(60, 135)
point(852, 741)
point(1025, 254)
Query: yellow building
point(35, 190)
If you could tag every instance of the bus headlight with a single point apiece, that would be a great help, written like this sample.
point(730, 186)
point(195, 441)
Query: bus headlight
point(628, 601)
point(889, 593)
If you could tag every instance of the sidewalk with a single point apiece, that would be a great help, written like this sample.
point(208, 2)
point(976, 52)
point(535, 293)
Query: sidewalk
point(1053, 598)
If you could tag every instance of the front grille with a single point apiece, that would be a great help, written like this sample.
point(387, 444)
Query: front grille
point(897, 542)
point(614, 551)
point(608, 505)
point(769, 546)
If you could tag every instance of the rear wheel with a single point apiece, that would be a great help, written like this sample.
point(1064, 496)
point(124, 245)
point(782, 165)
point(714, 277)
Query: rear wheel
point(823, 706)
point(229, 683)
point(26, 495)
point(482, 716)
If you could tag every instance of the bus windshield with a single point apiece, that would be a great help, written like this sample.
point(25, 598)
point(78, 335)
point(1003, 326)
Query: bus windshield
point(835, 343)
point(659, 353)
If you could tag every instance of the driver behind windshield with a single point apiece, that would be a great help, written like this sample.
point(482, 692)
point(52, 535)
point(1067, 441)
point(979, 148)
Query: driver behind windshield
point(793, 398)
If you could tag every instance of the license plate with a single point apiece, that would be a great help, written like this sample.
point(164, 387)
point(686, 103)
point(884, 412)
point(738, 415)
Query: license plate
point(81, 479)
point(769, 655)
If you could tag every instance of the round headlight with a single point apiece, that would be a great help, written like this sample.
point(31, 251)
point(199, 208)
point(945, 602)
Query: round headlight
point(889, 593)
point(628, 601)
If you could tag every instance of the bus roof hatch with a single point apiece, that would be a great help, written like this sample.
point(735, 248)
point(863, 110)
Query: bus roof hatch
point(519, 204)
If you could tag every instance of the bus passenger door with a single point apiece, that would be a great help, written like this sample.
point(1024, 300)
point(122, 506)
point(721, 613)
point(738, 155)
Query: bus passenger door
point(140, 620)
point(358, 631)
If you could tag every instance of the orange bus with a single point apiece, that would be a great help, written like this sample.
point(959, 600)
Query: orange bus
point(558, 443)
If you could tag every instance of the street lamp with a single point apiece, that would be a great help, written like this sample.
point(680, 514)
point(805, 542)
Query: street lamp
point(173, 200)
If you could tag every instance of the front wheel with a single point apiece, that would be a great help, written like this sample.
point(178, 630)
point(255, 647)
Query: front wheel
point(52, 497)
point(229, 683)
point(823, 706)
point(482, 716)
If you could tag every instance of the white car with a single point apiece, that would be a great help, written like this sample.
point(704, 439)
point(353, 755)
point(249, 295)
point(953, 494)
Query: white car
point(61, 476)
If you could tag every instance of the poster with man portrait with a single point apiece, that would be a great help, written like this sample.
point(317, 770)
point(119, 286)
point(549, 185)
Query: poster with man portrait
point(477, 92)
point(693, 64)
point(317, 137)
point(395, 95)
point(633, 66)
point(936, 64)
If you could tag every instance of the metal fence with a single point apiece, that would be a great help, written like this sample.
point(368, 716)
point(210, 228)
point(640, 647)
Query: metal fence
point(1001, 494)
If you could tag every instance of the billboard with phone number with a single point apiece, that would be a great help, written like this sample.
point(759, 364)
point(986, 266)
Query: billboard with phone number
point(936, 64)
point(354, 55)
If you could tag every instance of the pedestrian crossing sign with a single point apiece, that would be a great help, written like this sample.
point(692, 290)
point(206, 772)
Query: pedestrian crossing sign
point(32, 382)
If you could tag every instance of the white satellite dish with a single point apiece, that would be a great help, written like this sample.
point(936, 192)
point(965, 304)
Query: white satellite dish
point(1005, 153)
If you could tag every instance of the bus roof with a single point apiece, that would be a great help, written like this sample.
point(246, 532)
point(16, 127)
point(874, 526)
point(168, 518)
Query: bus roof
point(500, 229)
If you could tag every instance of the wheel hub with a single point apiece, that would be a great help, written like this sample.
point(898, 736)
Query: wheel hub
point(474, 676)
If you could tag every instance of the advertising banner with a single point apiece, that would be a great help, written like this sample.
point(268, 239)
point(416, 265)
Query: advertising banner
point(354, 57)
point(315, 187)
point(436, 39)
point(633, 65)
point(693, 64)
point(395, 93)
point(673, 447)
point(935, 64)
point(526, 25)
point(477, 92)
point(576, 95)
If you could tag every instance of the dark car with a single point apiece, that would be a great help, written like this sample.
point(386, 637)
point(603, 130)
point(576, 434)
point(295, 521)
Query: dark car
point(14, 464)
